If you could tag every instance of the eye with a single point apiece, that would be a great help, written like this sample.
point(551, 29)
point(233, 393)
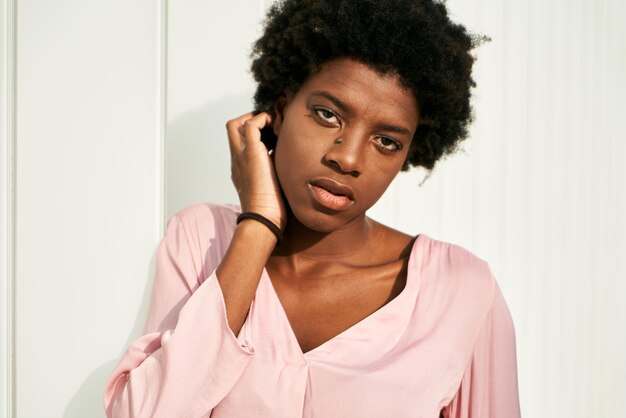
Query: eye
point(326, 115)
point(387, 144)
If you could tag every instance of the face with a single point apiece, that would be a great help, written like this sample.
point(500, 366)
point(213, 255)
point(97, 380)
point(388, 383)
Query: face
point(342, 139)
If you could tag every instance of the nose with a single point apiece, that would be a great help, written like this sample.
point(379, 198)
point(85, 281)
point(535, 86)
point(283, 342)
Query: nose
point(347, 154)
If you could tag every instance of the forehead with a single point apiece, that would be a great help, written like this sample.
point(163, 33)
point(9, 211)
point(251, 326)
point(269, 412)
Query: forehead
point(364, 89)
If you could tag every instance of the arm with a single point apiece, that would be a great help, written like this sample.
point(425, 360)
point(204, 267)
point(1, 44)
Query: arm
point(189, 357)
point(489, 385)
point(254, 177)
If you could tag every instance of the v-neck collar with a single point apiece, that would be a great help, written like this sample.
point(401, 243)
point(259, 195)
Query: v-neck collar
point(382, 325)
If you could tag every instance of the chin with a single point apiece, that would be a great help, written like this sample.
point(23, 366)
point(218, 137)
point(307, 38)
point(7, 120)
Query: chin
point(321, 219)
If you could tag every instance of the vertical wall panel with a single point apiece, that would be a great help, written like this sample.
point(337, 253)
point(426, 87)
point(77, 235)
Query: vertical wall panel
point(89, 133)
point(7, 204)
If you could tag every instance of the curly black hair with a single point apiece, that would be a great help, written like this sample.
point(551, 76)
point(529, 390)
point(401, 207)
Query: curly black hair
point(412, 39)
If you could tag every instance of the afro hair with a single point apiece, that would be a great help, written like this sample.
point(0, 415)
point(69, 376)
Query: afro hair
point(412, 39)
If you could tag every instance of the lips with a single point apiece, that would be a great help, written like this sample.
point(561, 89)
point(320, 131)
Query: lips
point(331, 194)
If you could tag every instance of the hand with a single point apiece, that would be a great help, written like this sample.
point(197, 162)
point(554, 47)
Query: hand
point(252, 168)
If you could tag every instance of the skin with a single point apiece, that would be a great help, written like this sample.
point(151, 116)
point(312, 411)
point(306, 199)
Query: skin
point(333, 268)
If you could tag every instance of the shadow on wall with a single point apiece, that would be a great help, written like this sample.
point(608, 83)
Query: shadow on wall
point(197, 170)
point(197, 155)
point(87, 401)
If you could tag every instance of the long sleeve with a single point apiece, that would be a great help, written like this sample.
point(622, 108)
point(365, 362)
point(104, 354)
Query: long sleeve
point(188, 358)
point(489, 386)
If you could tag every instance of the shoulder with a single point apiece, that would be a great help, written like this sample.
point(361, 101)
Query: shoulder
point(208, 214)
point(454, 271)
point(457, 294)
point(208, 228)
point(455, 263)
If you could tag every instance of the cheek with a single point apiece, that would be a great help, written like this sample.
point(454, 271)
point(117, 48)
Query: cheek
point(286, 158)
point(289, 163)
point(376, 182)
point(296, 153)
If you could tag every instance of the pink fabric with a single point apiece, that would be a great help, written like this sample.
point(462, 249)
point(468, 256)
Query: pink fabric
point(445, 344)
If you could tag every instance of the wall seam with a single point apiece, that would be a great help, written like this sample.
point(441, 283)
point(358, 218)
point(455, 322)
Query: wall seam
point(161, 183)
point(8, 207)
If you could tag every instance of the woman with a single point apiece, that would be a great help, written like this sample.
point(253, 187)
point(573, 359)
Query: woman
point(296, 304)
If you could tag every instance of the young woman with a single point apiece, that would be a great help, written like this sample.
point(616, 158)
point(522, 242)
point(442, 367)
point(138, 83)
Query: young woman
point(295, 303)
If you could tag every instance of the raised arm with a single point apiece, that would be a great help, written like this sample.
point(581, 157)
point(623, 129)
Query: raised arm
point(255, 180)
point(190, 356)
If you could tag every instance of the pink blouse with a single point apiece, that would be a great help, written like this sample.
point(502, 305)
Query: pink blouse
point(445, 345)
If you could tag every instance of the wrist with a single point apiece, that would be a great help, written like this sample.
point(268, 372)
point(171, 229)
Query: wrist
point(267, 213)
point(259, 224)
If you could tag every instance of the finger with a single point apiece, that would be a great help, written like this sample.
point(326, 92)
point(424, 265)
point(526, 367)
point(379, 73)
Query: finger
point(234, 135)
point(253, 126)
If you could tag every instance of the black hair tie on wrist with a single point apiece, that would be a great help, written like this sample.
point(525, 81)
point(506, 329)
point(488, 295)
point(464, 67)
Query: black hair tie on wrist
point(271, 225)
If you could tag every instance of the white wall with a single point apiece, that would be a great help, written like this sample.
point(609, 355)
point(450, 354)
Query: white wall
point(208, 84)
point(88, 205)
point(115, 120)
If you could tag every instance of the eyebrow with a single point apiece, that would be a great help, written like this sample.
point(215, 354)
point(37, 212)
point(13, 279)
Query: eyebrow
point(341, 105)
point(346, 108)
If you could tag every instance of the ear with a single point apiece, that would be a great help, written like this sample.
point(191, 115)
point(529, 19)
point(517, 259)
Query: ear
point(280, 106)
